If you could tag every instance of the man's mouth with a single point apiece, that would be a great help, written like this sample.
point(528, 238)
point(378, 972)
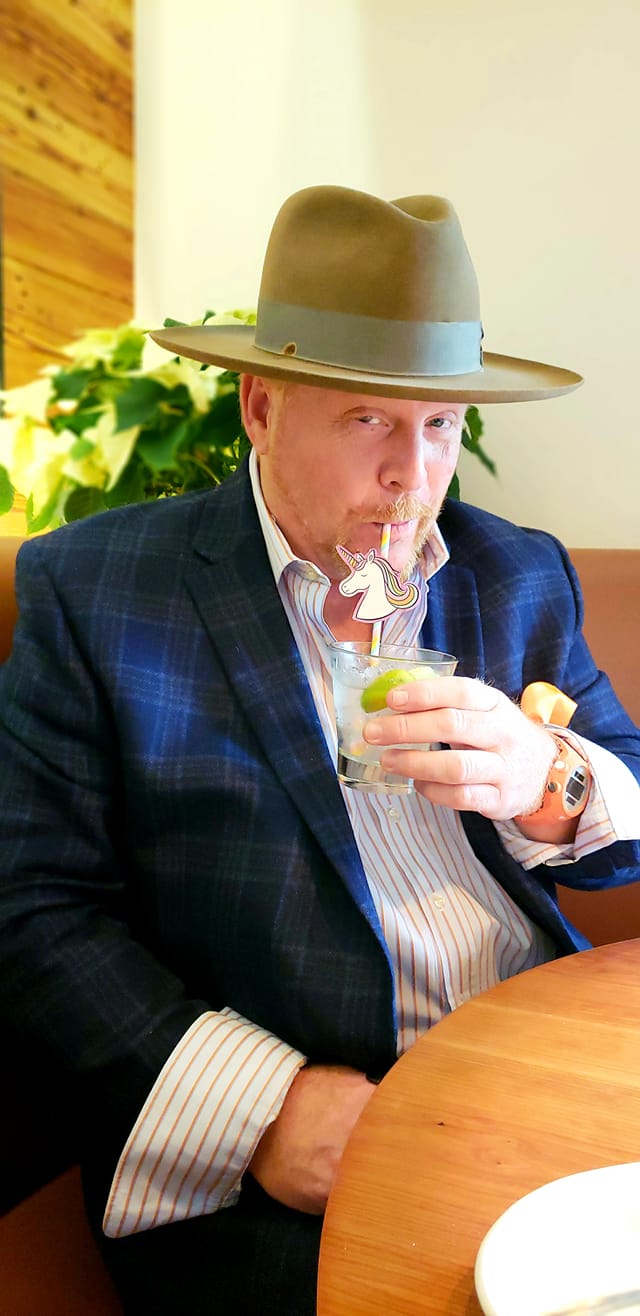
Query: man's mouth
point(399, 529)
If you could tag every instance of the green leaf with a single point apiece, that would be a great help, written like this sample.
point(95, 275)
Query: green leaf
point(130, 487)
point(221, 425)
point(138, 404)
point(472, 429)
point(158, 447)
point(81, 448)
point(176, 400)
point(474, 423)
point(79, 421)
point(478, 451)
point(128, 352)
point(225, 409)
point(231, 459)
point(454, 488)
point(69, 384)
point(6, 491)
point(83, 501)
point(51, 515)
point(168, 323)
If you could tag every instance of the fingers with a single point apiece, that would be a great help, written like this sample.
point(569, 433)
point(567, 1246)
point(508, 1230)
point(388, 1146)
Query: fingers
point(449, 726)
point(465, 780)
point(460, 767)
point(452, 711)
point(466, 796)
point(462, 780)
point(445, 692)
point(482, 798)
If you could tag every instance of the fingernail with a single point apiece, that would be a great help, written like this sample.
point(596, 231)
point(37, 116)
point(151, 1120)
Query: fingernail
point(373, 732)
point(398, 697)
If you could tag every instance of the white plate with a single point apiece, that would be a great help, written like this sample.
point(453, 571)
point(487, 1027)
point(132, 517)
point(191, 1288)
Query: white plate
point(572, 1241)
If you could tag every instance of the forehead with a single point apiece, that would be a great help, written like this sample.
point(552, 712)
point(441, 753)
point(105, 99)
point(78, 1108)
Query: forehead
point(329, 402)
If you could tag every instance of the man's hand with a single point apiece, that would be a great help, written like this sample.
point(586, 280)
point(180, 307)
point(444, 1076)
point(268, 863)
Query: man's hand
point(499, 760)
point(298, 1155)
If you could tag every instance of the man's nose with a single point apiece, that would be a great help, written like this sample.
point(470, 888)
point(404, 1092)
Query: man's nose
point(403, 464)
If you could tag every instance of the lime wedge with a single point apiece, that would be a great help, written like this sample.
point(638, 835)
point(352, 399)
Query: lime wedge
point(423, 673)
point(375, 696)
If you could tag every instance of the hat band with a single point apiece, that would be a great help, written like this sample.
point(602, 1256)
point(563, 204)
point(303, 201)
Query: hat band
point(364, 342)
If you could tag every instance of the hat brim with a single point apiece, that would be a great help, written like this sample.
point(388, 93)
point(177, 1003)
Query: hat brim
point(502, 378)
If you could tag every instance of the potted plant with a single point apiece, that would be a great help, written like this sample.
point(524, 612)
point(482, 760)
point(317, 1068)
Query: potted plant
point(123, 423)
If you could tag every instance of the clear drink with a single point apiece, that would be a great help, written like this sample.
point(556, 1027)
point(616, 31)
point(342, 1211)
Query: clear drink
point(356, 671)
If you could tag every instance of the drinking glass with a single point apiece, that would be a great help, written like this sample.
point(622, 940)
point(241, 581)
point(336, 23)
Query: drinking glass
point(360, 680)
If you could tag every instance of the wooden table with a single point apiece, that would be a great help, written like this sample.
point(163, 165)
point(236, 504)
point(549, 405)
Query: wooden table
point(535, 1079)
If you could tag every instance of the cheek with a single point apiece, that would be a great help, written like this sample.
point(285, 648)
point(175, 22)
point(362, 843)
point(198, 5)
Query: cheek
point(440, 471)
point(449, 459)
point(340, 481)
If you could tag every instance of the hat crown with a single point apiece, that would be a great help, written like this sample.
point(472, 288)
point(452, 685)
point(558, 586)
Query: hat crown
point(337, 249)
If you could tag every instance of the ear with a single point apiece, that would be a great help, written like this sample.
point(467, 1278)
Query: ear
point(256, 402)
point(371, 555)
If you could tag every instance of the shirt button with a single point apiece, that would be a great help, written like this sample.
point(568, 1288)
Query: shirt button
point(394, 813)
point(439, 902)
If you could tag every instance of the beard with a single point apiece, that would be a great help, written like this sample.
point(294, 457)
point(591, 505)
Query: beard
point(406, 508)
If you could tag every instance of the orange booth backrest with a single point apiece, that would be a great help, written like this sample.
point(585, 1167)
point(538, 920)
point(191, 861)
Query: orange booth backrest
point(9, 546)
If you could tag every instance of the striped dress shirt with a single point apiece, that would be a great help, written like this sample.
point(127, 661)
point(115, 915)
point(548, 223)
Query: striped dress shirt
point(451, 930)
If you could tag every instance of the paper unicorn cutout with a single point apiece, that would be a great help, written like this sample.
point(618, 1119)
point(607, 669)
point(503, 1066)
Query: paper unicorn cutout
point(378, 583)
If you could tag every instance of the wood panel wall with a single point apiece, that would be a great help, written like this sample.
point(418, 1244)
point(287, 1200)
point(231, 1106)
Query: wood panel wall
point(66, 109)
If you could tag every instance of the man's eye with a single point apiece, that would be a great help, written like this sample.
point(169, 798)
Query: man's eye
point(440, 422)
point(369, 420)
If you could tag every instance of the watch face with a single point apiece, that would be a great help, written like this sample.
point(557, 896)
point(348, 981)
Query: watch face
point(575, 789)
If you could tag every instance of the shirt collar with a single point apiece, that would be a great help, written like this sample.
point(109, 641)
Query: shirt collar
point(434, 554)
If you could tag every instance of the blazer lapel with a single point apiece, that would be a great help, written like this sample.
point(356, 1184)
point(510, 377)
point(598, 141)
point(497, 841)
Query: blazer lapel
point(232, 585)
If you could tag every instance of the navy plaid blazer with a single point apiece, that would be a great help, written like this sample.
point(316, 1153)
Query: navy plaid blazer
point(173, 834)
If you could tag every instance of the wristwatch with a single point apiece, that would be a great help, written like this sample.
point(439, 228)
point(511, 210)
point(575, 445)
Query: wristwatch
point(567, 789)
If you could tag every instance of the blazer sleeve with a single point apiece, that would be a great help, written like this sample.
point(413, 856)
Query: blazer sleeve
point(548, 614)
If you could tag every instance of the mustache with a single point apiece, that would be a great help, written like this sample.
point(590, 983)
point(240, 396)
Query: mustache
point(406, 508)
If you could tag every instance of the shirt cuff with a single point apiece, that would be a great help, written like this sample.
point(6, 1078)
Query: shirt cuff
point(612, 812)
point(222, 1085)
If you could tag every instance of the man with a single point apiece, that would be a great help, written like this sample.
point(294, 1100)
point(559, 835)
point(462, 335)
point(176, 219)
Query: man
point(224, 947)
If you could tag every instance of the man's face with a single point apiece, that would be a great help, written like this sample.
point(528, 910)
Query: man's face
point(335, 467)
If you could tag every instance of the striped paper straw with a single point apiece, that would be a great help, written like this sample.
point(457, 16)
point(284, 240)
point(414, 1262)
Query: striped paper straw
point(377, 625)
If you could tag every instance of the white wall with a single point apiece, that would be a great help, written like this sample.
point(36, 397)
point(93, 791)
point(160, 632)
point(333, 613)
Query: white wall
point(239, 104)
point(526, 115)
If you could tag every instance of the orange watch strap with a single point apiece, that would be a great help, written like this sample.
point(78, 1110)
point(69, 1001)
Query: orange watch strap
point(566, 792)
point(567, 789)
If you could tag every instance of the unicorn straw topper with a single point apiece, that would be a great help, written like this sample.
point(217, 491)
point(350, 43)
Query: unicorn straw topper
point(373, 577)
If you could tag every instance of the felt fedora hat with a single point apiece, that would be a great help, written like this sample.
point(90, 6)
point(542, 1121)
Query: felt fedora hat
point(370, 296)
